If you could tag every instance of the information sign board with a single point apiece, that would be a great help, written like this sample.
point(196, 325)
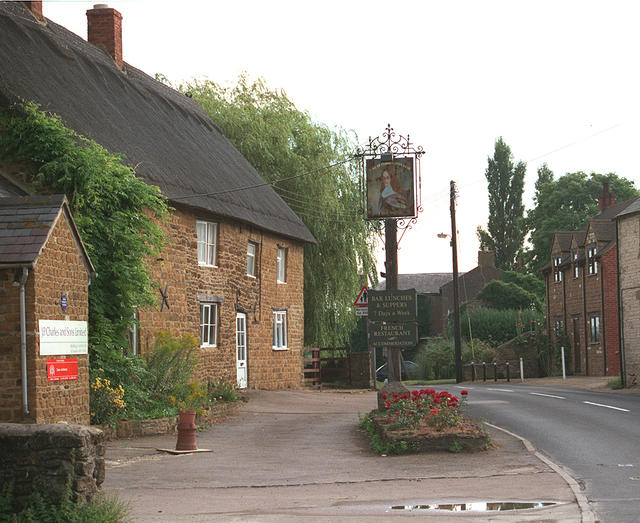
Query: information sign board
point(393, 305)
point(60, 337)
point(394, 334)
point(63, 369)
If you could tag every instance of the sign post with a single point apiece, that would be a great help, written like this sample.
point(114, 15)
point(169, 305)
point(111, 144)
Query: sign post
point(391, 166)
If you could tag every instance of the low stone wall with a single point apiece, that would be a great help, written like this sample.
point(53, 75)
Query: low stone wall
point(48, 459)
point(135, 428)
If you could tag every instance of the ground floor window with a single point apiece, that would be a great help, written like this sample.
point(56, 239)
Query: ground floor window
point(594, 322)
point(280, 330)
point(208, 324)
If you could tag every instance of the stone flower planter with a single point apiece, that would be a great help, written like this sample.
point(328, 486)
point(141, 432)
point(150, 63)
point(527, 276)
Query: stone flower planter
point(466, 437)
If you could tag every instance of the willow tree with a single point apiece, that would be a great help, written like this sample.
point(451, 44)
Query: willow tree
point(309, 166)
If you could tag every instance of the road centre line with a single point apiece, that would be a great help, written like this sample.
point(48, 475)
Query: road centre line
point(501, 390)
point(548, 395)
point(606, 406)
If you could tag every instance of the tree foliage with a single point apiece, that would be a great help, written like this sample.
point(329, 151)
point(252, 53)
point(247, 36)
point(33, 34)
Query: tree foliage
point(113, 210)
point(566, 204)
point(505, 229)
point(281, 141)
point(502, 295)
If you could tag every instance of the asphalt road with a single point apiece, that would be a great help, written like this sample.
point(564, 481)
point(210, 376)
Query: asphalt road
point(595, 436)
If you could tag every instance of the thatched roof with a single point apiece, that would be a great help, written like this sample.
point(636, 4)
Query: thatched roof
point(164, 135)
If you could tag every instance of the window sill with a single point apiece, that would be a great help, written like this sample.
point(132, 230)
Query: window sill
point(208, 346)
point(252, 276)
point(200, 264)
point(279, 348)
point(281, 282)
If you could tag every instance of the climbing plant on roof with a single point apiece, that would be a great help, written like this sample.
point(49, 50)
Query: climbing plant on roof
point(115, 212)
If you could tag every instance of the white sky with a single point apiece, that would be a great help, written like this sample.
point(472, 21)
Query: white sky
point(558, 80)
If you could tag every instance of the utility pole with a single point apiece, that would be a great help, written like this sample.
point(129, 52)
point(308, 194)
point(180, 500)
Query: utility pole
point(456, 299)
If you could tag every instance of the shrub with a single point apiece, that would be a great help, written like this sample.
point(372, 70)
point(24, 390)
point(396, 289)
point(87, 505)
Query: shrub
point(438, 409)
point(172, 363)
point(498, 326)
point(105, 401)
point(502, 295)
point(222, 391)
point(36, 509)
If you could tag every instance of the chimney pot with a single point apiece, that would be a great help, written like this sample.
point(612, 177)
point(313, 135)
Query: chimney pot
point(104, 29)
point(36, 9)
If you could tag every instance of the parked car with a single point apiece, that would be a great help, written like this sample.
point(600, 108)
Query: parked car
point(411, 367)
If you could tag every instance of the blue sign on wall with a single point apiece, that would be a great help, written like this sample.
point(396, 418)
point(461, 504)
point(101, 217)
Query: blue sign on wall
point(63, 302)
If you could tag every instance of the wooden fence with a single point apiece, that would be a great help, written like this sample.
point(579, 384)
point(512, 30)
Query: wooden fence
point(327, 365)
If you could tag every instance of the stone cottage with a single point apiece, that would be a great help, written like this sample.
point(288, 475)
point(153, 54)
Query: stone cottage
point(44, 278)
point(232, 270)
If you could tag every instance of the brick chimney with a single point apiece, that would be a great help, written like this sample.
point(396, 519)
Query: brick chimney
point(606, 199)
point(104, 29)
point(35, 8)
point(486, 258)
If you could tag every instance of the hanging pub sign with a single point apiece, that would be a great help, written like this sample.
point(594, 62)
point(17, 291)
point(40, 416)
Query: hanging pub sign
point(390, 188)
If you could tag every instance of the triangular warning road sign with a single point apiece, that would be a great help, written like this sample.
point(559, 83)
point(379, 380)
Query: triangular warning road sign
point(362, 298)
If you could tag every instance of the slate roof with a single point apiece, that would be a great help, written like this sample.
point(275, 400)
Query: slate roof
point(423, 283)
point(564, 239)
point(25, 225)
point(166, 136)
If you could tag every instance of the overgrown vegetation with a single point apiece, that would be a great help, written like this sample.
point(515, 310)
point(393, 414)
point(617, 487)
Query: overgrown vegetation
point(156, 386)
point(115, 212)
point(37, 509)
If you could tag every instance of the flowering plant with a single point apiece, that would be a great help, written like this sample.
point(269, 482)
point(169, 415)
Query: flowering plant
point(438, 409)
point(190, 396)
point(105, 400)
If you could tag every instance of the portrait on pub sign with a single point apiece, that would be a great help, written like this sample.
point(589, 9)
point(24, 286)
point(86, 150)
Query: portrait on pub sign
point(390, 188)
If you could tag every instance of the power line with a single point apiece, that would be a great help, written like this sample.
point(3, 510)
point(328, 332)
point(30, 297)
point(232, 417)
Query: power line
point(263, 184)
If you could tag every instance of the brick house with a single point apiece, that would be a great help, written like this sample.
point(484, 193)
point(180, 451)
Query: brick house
point(581, 283)
point(44, 275)
point(232, 270)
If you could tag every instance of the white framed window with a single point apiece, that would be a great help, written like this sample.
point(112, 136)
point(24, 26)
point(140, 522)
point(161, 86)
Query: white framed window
point(557, 273)
point(252, 249)
point(576, 269)
point(591, 260)
point(207, 242)
point(280, 330)
point(281, 265)
point(594, 323)
point(208, 324)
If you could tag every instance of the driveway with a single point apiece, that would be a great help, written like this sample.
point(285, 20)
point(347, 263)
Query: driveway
point(298, 455)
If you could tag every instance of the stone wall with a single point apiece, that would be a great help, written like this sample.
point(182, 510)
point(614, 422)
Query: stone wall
point(234, 291)
point(49, 458)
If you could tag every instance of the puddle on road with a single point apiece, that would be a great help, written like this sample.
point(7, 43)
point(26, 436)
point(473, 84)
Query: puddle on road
point(479, 506)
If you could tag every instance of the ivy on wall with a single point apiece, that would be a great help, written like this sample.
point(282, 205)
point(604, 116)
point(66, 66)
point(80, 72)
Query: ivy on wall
point(115, 212)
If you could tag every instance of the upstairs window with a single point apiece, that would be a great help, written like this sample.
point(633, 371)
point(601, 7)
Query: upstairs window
point(252, 249)
point(557, 273)
point(592, 264)
point(576, 270)
point(281, 265)
point(594, 323)
point(279, 330)
point(208, 324)
point(207, 240)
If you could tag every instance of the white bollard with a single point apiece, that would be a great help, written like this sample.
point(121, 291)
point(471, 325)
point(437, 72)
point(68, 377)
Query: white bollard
point(521, 370)
point(564, 373)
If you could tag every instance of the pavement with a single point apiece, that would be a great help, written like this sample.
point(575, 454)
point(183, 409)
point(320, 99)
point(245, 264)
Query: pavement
point(298, 456)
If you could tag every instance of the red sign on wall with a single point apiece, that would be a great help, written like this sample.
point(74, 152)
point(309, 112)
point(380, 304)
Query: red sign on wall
point(62, 369)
